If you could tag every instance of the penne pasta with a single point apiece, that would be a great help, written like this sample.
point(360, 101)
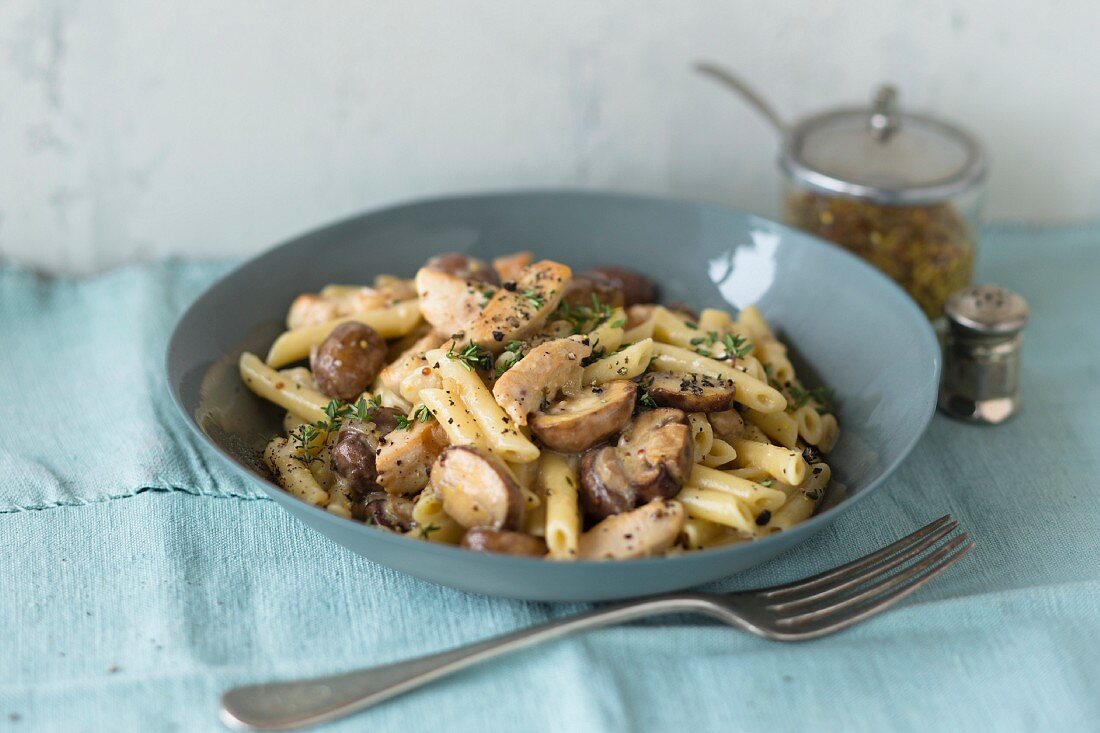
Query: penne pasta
point(563, 516)
point(308, 404)
point(625, 364)
point(390, 321)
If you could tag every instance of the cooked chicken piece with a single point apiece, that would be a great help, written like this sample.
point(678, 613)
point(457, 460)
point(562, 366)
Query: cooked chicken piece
point(411, 361)
point(309, 309)
point(510, 267)
point(547, 370)
point(405, 457)
point(647, 530)
point(450, 303)
point(591, 415)
point(520, 307)
point(477, 489)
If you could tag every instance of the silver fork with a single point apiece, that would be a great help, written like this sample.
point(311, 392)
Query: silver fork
point(805, 609)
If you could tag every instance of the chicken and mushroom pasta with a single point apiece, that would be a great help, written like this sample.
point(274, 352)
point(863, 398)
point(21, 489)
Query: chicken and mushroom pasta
point(516, 407)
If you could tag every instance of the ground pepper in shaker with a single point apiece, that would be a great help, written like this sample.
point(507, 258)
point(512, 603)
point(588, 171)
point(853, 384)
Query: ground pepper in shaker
point(981, 365)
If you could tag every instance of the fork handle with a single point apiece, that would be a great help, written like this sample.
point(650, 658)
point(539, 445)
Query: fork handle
point(283, 705)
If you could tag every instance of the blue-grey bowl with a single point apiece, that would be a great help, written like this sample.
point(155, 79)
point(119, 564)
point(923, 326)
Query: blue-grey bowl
point(847, 326)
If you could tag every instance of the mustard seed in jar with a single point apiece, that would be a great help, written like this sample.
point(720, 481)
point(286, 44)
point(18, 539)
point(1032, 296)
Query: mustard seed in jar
point(899, 189)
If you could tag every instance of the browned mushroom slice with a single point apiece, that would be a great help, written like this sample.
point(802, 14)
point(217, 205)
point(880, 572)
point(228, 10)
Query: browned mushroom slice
point(463, 266)
point(448, 302)
point(634, 286)
point(690, 392)
point(384, 510)
point(486, 539)
point(477, 489)
point(728, 424)
point(519, 309)
point(605, 488)
point(657, 453)
point(405, 457)
point(645, 531)
point(590, 416)
point(583, 289)
point(547, 370)
point(348, 360)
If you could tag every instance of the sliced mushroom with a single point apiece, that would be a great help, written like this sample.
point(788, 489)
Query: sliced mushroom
point(348, 360)
point(353, 459)
point(547, 370)
point(486, 539)
point(384, 510)
point(634, 286)
point(645, 531)
point(690, 392)
point(405, 457)
point(588, 417)
point(448, 302)
point(657, 453)
point(477, 489)
point(520, 308)
point(583, 289)
point(728, 424)
point(605, 488)
point(464, 266)
point(652, 461)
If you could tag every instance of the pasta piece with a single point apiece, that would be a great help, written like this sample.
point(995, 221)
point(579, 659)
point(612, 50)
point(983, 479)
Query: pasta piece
point(752, 322)
point(670, 328)
point(432, 523)
point(779, 426)
point(719, 507)
point(750, 473)
point(700, 533)
point(609, 334)
point(625, 364)
point(830, 433)
point(712, 319)
point(499, 432)
point(810, 425)
point(640, 324)
point(453, 416)
point(782, 463)
point(802, 501)
point(721, 454)
point(749, 391)
point(702, 435)
point(267, 383)
point(756, 497)
point(389, 321)
point(292, 474)
point(774, 354)
point(558, 477)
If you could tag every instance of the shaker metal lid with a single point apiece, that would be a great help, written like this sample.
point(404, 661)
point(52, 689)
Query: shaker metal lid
point(987, 310)
point(882, 154)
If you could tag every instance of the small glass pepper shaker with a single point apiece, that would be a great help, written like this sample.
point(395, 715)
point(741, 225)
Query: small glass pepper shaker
point(981, 366)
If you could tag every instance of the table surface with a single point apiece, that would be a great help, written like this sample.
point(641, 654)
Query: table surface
point(138, 578)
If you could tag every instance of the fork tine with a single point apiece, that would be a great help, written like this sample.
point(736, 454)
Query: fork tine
point(901, 581)
point(868, 574)
point(855, 566)
point(832, 626)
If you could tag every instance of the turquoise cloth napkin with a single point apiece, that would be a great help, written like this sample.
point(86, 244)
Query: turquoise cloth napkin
point(138, 578)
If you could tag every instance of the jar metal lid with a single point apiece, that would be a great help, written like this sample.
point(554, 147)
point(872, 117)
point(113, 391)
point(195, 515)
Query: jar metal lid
point(882, 154)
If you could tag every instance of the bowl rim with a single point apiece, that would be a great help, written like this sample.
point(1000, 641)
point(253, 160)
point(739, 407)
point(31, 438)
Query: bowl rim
point(445, 551)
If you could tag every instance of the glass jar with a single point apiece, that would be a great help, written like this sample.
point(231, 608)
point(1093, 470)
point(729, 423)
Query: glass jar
point(901, 190)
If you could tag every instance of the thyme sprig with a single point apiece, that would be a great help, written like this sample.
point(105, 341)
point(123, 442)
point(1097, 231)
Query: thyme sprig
point(471, 356)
